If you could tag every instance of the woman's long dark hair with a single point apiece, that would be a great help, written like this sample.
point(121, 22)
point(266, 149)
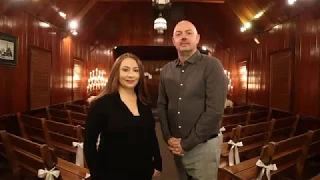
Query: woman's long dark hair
point(113, 83)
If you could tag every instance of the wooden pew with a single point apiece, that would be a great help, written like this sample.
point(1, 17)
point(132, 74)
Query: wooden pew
point(59, 115)
point(58, 136)
point(75, 108)
point(288, 153)
point(278, 114)
point(284, 128)
point(34, 129)
point(62, 136)
point(257, 107)
point(276, 130)
point(78, 118)
point(237, 109)
point(253, 137)
point(317, 177)
point(31, 157)
point(314, 148)
point(7, 153)
point(259, 116)
point(229, 122)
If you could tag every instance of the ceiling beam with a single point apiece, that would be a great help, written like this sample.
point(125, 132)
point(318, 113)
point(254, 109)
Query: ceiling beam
point(201, 1)
point(88, 32)
point(85, 10)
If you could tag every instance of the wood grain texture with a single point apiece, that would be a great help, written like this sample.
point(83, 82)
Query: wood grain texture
point(300, 35)
point(14, 81)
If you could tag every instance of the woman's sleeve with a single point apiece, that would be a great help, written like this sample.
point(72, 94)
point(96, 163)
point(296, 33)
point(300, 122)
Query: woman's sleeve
point(157, 159)
point(92, 131)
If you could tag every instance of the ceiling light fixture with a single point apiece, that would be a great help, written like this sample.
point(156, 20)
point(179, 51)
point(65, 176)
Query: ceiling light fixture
point(291, 2)
point(256, 40)
point(160, 24)
point(257, 16)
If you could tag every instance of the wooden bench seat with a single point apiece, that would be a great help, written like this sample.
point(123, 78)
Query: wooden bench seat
point(230, 122)
point(252, 136)
point(78, 118)
point(259, 116)
point(317, 177)
point(285, 154)
point(58, 136)
point(76, 108)
point(30, 157)
point(57, 115)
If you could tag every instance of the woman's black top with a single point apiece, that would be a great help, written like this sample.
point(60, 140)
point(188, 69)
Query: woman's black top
point(128, 144)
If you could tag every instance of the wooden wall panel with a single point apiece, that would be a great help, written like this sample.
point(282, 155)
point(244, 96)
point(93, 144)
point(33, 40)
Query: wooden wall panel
point(300, 35)
point(137, 32)
point(281, 80)
point(14, 80)
point(39, 78)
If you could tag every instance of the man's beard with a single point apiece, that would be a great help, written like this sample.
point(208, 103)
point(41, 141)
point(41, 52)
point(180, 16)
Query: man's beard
point(186, 52)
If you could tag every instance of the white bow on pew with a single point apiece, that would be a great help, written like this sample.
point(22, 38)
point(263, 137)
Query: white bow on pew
point(222, 130)
point(48, 175)
point(79, 155)
point(265, 168)
point(98, 142)
point(234, 156)
point(87, 176)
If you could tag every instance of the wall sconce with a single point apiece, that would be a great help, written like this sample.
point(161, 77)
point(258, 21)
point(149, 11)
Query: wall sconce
point(230, 87)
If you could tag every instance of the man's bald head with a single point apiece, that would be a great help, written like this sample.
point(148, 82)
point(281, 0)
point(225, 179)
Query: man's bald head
point(184, 24)
point(185, 38)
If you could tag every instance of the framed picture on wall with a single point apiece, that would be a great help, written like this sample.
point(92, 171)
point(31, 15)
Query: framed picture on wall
point(8, 50)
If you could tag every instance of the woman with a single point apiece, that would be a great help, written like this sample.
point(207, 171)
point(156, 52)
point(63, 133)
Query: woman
point(128, 146)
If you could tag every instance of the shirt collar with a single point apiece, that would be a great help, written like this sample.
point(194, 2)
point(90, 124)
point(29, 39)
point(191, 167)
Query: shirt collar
point(192, 59)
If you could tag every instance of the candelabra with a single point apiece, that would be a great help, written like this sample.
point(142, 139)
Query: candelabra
point(230, 87)
point(96, 82)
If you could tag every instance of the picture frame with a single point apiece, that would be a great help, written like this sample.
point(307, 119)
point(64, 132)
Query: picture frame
point(8, 50)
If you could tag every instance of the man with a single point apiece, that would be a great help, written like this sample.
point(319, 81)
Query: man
point(192, 93)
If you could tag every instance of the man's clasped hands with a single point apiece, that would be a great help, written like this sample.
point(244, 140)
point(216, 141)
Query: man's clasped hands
point(174, 145)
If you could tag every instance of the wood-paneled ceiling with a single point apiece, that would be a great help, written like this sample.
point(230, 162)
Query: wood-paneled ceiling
point(107, 20)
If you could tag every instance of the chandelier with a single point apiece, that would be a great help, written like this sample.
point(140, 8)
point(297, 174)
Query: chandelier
point(160, 24)
point(96, 81)
point(161, 4)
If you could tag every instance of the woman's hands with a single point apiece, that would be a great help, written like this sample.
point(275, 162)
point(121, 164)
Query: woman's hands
point(156, 173)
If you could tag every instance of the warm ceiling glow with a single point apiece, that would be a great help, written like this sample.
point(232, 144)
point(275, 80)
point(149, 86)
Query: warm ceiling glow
point(44, 25)
point(258, 15)
point(73, 24)
point(74, 32)
point(247, 25)
point(291, 2)
point(62, 14)
point(256, 40)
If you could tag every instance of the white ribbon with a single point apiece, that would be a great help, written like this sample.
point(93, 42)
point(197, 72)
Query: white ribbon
point(234, 156)
point(87, 176)
point(98, 142)
point(265, 168)
point(48, 175)
point(222, 130)
point(79, 155)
